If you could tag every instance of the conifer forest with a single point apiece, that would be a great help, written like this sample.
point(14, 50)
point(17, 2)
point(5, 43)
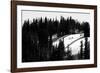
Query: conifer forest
point(49, 39)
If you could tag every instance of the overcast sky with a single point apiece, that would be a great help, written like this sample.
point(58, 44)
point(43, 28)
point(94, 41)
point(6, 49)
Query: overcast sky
point(53, 14)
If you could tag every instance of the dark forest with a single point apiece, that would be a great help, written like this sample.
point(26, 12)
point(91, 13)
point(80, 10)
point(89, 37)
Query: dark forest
point(37, 39)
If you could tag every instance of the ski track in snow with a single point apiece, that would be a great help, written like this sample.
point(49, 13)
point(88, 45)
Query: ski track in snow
point(75, 46)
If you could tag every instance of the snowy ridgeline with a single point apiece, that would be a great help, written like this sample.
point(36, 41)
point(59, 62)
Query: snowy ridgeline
point(72, 41)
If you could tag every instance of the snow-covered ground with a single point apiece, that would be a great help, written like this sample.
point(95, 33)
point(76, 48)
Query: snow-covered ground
point(73, 42)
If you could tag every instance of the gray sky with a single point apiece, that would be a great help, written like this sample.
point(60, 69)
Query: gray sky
point(54, 14)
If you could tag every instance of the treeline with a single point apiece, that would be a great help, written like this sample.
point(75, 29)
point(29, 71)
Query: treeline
point(37, 36)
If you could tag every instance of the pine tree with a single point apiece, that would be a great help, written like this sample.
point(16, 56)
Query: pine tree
point(81, 50)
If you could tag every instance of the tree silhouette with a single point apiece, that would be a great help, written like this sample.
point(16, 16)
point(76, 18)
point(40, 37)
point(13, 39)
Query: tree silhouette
point(87, 49)
point(86, 29)
point(69, 54)
point(81, 51)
